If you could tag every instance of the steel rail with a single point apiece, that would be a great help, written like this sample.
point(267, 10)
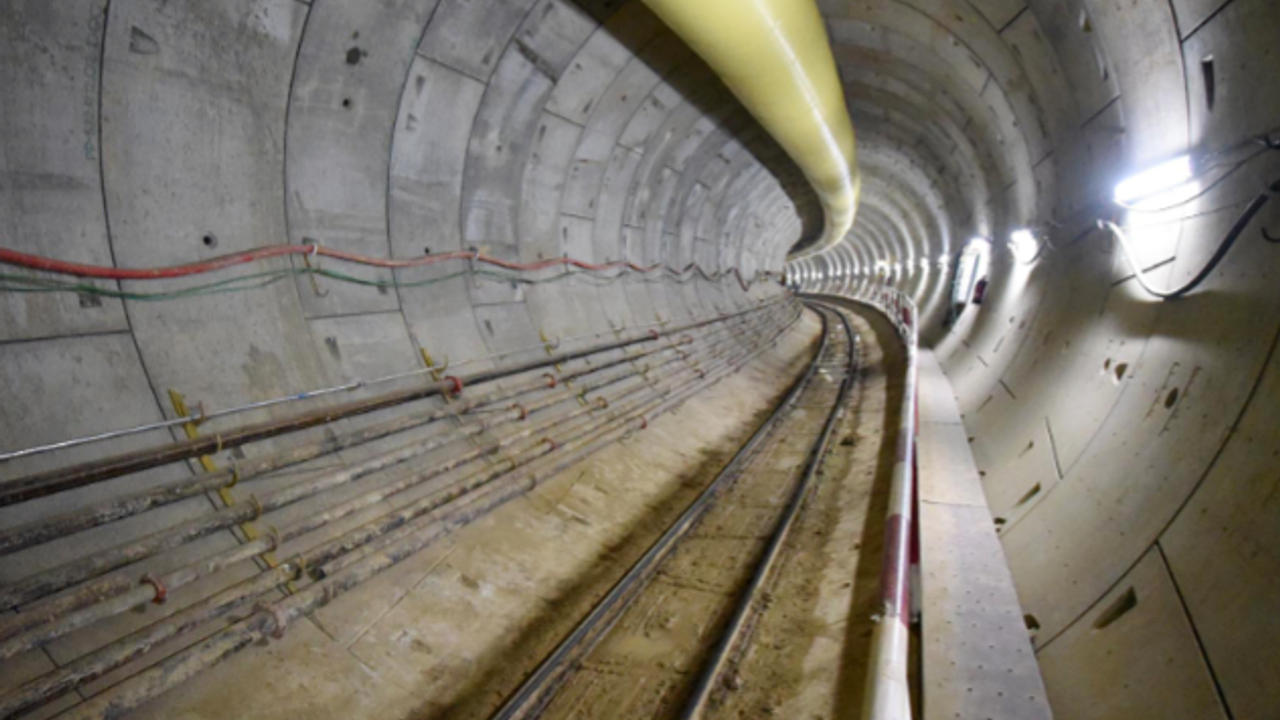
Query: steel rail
point(537, 689)
point(51, 481)
point(363, 564)
point(699, 698)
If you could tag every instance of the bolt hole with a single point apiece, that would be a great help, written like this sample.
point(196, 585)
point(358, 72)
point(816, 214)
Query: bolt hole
point(1206, 70)
point(1121, 369)
point(1171, 398)
point(1121, 605)
point(209, 240)
point(1026, 497)
point(1106, 364)
point(426, 250)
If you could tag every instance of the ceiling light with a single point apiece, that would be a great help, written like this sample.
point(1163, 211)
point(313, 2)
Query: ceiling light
point(1157, 179)
point(1024, 245)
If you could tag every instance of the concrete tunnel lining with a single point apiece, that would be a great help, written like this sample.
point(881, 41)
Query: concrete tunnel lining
point(533, 129)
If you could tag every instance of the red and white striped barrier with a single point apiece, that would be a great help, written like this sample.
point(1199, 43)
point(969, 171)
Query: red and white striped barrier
point(887, 695)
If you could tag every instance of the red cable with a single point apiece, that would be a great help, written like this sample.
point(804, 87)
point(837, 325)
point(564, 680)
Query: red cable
point(37, 262)
point(63, 267)
point(161, 591)
point(456, 383)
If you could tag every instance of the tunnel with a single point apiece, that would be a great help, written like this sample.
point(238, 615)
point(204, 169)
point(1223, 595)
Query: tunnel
point(619, 359)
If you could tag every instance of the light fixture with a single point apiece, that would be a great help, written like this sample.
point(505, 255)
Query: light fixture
point(1024, 245)
point(1154, 180)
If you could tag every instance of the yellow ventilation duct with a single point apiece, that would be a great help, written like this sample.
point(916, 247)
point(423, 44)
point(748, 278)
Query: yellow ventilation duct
point(774, 56)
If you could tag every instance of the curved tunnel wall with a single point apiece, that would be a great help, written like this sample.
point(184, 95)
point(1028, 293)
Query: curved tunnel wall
point(145, 133)
point(1127, 444)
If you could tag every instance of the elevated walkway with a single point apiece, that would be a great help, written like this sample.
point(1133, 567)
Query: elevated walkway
point(978, 662)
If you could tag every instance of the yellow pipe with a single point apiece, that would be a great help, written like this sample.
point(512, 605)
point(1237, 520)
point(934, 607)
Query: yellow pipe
point(775, 57)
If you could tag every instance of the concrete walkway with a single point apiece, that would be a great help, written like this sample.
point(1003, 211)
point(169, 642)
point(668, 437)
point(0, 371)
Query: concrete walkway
point(978, 661)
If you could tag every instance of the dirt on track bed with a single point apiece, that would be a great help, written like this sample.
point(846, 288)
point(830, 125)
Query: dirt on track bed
point(805, 653)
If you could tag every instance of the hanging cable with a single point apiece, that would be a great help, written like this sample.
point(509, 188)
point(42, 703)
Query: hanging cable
point(1227, 241)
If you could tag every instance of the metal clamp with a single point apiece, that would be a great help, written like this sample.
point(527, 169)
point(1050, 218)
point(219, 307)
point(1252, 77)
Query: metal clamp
point(162, 593)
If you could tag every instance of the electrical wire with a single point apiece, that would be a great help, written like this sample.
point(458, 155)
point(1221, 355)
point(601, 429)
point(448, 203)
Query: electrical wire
point(1218, 254)
point(62, 267)
point(606, 273)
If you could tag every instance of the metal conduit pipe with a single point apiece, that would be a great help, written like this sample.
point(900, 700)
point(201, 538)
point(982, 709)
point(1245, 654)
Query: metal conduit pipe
point(67, 602)
point(355, 539)
point(33, 533)
point(124, 595)
point(394, 526)
point(49, 482)
point(95, 564)
point(187, 663)
point(29, 534)
point(544, 403)
point(30, 621)
point(203, 417)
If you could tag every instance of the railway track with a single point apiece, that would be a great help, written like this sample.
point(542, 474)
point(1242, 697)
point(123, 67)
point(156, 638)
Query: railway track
point(704, 584)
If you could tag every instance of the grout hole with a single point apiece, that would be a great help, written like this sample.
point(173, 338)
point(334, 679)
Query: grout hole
point(1171, 398)
point(210, 240)
point(426, 250)
point(346, 102)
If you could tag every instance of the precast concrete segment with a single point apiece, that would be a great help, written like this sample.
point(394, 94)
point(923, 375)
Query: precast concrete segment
point(775, 57)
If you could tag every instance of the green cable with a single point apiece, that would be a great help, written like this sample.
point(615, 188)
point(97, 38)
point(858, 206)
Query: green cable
point(27, 284)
